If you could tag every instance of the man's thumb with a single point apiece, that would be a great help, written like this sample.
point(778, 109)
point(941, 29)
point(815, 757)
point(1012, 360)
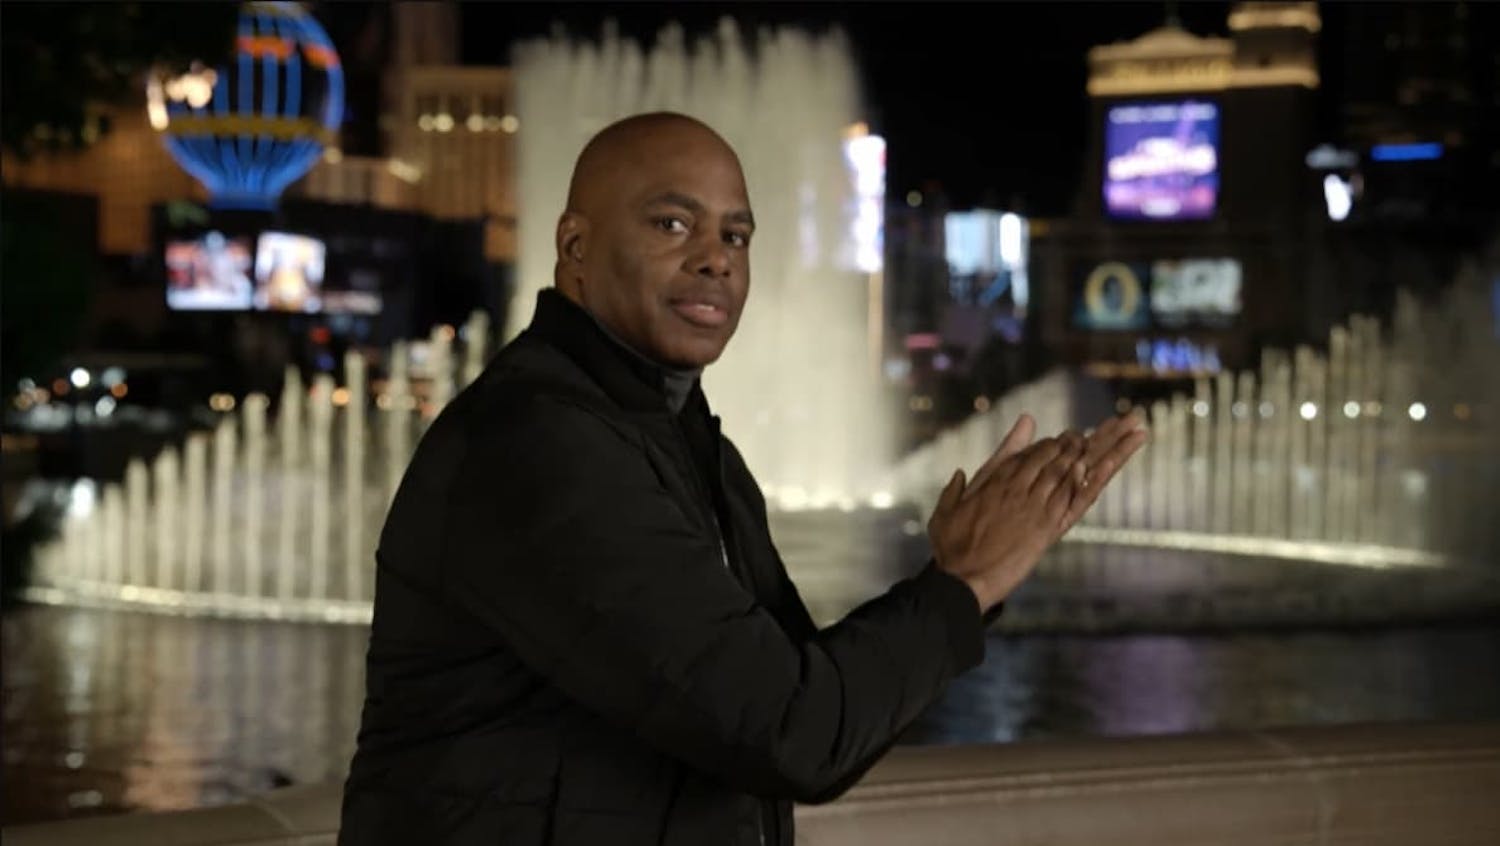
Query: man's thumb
point(952, 491)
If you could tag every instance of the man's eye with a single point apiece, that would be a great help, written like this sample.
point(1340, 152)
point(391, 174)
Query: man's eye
point(737, 239)
point(671, 224)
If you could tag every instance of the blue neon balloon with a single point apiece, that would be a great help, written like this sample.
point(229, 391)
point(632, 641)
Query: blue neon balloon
point(273, 108)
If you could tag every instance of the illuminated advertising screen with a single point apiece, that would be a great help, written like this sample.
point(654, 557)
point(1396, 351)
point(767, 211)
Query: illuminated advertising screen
point(1161, 160)
point(208, 273)
point(863, 246)
point(1195, 292)
point(987, 253)
point(1114, 296)
point(289, 272)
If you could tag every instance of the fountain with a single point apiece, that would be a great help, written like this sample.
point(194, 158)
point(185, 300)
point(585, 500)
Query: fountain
point(801, 360)
point(1372, 453)
point(207, 533)
point(1376, 453)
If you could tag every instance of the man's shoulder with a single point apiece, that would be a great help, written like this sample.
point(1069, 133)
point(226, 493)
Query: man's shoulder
point(531, 387)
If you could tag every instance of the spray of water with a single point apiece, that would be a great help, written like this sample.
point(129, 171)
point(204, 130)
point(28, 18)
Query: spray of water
point(797, 388)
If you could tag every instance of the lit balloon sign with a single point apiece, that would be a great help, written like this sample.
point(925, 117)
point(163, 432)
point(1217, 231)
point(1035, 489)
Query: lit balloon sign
point(251, 128)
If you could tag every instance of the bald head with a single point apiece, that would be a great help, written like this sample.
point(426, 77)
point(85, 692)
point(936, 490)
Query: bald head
point(623, 149)
point(654, 241)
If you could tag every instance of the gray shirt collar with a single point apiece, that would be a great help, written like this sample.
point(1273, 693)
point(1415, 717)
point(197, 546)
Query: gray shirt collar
point(677, 382)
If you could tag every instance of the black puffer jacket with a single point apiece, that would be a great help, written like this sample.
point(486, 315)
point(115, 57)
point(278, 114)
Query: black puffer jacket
point(559, 653)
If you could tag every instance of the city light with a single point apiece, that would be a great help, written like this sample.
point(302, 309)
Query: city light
point(1338, 195)
point(79, 377)
point(1309, 410)
point(1417, 411)
point(1406, 152)
point(403, 171)
point(1351, 409)
point(1012, 239)
point(864, 246)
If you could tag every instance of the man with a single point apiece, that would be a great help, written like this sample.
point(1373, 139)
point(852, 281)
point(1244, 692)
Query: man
point(583, 633)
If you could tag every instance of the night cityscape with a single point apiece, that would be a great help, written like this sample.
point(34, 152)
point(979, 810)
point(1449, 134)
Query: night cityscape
point(253, 251)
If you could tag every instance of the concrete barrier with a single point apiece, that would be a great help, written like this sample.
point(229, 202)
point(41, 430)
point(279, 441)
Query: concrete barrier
point(1426, 785)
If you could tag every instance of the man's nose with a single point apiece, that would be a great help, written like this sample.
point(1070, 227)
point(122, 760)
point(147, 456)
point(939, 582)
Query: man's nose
point(711, 258)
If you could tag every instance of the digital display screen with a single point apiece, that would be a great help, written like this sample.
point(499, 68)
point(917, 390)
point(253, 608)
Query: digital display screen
point(1161, 160)
point(289, 272)
point(208, 273)
point(1114, 296)
point(1195, 292)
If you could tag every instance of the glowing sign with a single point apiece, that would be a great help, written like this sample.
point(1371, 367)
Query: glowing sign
point(987, 253)
point(250, 129)
point(865, 247)
point(1162, 160)
point(1113, 298)
point(1406, 152)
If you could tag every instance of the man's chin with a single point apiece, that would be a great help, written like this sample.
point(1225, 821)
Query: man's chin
point(694, 355)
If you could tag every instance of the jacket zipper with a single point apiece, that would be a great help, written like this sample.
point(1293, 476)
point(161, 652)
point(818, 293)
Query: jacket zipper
point(705, 490)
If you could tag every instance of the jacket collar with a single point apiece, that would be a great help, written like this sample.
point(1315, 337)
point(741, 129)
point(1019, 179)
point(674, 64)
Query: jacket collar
point(634, 383)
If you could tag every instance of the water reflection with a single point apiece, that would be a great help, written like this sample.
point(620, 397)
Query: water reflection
point(1040, 686)
point(111, 711)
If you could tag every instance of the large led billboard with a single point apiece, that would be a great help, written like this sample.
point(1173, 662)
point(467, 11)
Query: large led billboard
point(1195, 292)
point(210, 272)
point(1161, 160)
point(289, 272)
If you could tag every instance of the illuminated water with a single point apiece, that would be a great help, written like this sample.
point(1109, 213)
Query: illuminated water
point(110, 711)
point(802, 360)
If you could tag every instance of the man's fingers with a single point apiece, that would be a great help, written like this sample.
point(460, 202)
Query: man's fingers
point(951, 492)
point(1069, 487)
point(1100, 474)
point(1061, 468)
point(1108, 435)
point(1017, 439)
point(1029, 464)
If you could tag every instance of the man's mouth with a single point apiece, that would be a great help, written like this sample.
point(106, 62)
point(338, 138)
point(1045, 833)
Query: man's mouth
point(704, 314)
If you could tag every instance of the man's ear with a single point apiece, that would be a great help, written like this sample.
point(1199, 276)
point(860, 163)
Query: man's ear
point(572, 239)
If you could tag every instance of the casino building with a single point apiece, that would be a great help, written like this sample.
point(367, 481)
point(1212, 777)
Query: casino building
point(1189, 246)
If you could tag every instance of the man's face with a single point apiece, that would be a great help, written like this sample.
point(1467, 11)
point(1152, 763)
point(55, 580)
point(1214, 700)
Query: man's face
point(666, 260)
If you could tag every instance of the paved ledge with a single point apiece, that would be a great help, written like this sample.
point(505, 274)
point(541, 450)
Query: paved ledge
point(1433, 785)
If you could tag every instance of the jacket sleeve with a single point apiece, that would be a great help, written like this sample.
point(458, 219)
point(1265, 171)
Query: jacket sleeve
point(562, 539)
